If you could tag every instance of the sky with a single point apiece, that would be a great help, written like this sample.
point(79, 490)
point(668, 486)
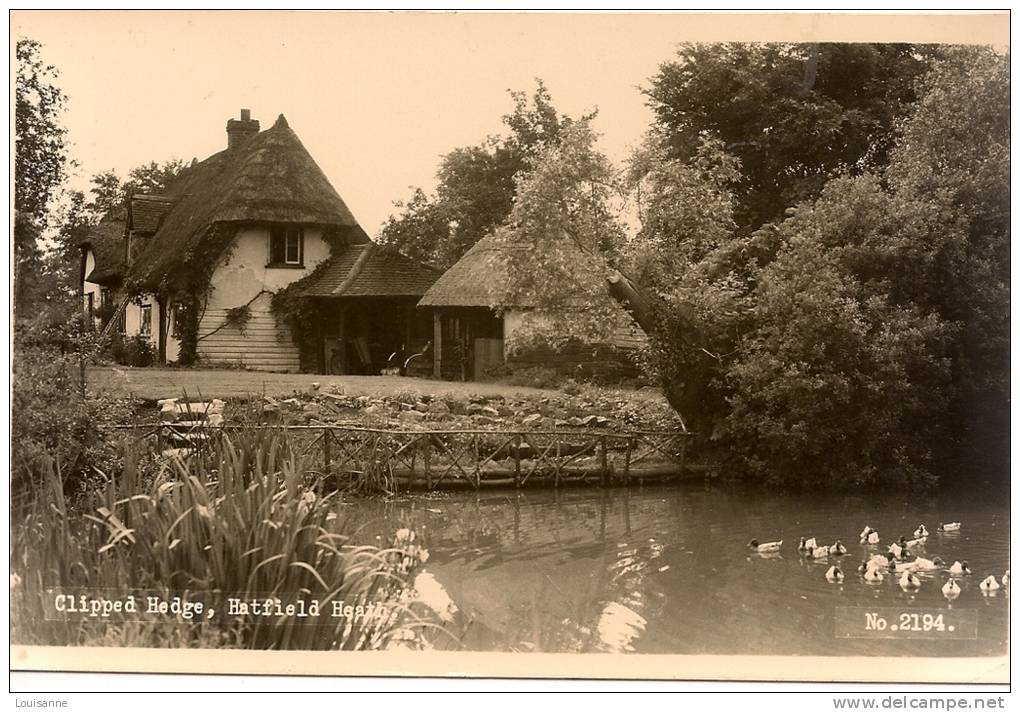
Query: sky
point(376, 98)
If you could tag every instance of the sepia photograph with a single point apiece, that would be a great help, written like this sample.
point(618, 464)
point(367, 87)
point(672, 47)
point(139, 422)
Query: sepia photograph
point(598, 345)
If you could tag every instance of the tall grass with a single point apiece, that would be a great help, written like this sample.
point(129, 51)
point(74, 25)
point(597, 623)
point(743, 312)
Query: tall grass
point(237, 518)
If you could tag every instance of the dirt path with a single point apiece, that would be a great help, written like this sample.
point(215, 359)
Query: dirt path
point(155, 383)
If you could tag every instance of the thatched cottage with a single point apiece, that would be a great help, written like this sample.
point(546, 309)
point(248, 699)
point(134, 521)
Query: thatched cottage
point(194, 271)
point(251, 259)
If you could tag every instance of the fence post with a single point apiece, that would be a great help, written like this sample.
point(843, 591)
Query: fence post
point(327, 455)
point(478, 466)
point(626, 461)
point(556, 471)
point(428, 461)
point(605, 461)
point(683, 454)
point(517, 460)
point(414, 463)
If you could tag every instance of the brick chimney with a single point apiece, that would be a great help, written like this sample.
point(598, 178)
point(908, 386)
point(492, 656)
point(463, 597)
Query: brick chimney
point(239, 132)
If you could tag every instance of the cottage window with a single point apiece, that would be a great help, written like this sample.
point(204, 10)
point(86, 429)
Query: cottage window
point(145, 317)
point(286, 246)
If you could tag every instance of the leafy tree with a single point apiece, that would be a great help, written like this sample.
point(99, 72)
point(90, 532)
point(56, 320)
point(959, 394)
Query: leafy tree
point(40, 163)
point(476, 185)
point(795, 115)
point(559, 239)
point(40, 154)
point(838, 341)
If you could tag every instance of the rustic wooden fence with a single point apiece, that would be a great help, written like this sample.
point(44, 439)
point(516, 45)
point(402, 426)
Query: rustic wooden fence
point(440, 459)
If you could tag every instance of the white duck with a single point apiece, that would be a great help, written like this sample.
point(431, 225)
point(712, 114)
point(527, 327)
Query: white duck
point(837, 549)
point(951, 590)
point(950, 527)
point(769, 546)
point(819, 552)
point(899, 566)
point(989, 585)
point(909, 582)
point(869, 536)
point(879, 561)
point(896, 551)
point(960, 568)
point(806, 544)
point(912, 543)
point(874, 576)
point(834, 575)
point(922, 564)
point(921, 531)
point(1005, 579)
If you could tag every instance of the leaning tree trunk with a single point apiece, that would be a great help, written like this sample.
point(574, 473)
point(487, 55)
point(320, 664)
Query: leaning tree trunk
point(686, 392)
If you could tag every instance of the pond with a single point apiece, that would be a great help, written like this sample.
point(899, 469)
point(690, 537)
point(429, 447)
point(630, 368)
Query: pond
point(668, 570)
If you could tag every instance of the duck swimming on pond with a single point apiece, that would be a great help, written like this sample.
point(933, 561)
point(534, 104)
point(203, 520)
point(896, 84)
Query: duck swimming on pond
point(921, 531)
point(806, 544)
point(869, 536)
point(909, 582)
point(922, 564)
point(989, 585)
point(951, 590)
point(837, 549)
point(1005, 579)
point(873, 575)
point(951, 527)
point(877, 560)
point(960, 568)
point(834, 575)
point(819, 552)
point(896, 551)
point(912, 543)
point(768, 546)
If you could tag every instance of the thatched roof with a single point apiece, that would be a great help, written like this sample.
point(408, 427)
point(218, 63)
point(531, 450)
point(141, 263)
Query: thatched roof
point(370, 270)
point(478, 279)
point(106, 241)
point(269, 179)
point(481, 277)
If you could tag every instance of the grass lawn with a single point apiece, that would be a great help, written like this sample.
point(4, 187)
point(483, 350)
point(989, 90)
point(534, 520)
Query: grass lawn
point(156, 383)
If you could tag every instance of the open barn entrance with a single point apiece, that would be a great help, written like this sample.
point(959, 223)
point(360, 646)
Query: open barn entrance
point(367, 336)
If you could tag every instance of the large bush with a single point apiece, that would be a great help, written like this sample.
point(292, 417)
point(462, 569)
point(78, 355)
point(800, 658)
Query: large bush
point(54, 416)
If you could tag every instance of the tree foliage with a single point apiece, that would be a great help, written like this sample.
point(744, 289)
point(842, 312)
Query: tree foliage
point(476, 185)
point(851, 338)
point(558, 240)
point(40, 154)
point(795, 115)
point(40, 162)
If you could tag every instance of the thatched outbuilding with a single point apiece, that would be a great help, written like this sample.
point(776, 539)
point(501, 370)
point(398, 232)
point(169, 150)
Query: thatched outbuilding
point(475, 314)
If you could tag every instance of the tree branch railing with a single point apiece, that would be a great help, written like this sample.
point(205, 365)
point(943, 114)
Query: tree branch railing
point(438, 459)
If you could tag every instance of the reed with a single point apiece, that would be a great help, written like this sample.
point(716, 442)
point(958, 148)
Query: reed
point(238, 518)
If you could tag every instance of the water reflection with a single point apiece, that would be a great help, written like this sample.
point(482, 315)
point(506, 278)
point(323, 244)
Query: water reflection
point(669, 571)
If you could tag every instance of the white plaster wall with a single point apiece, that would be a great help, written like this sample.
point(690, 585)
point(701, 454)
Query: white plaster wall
point(242, 271)
point(514, 321)
point(239, 279)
